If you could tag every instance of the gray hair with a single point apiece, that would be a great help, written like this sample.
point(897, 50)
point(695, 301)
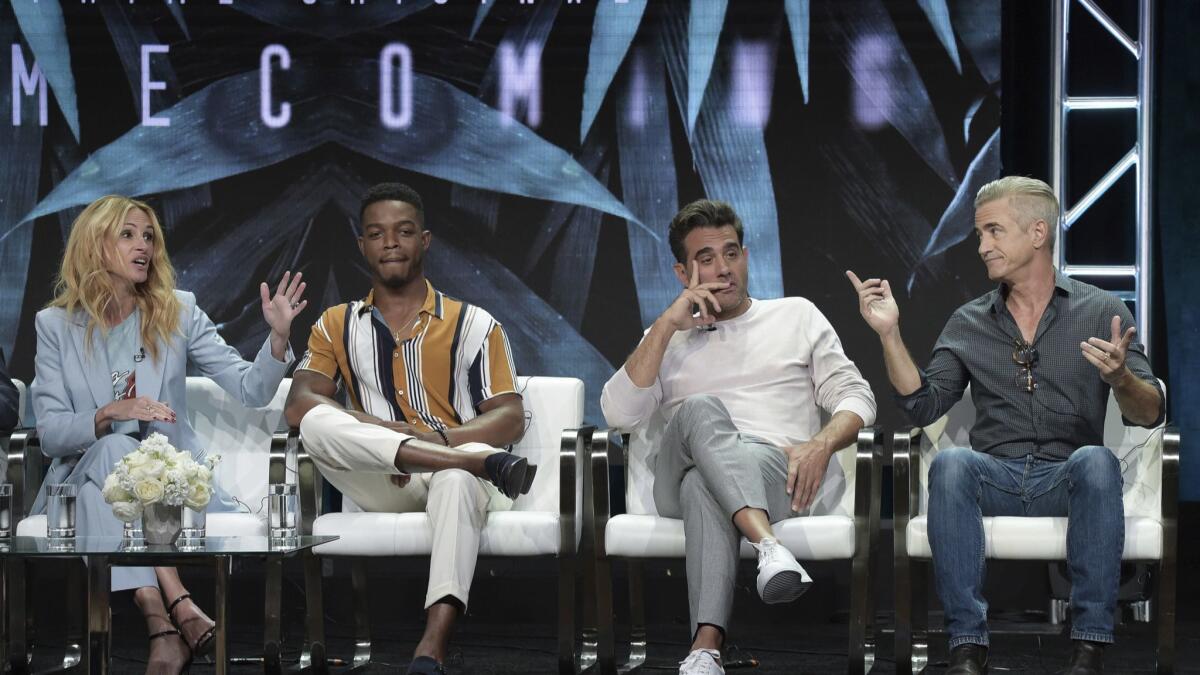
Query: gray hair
point(1030, 199)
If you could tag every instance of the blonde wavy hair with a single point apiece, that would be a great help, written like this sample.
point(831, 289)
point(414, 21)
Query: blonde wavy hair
point(84, 284)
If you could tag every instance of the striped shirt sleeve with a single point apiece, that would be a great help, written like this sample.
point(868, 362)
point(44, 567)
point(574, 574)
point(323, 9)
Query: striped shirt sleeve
point(493, 372)
point(320, 356)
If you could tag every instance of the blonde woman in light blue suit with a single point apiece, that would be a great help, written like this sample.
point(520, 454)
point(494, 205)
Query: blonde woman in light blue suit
point(114, 349)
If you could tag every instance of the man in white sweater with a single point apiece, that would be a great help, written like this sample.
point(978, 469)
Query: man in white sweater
point(741, 381)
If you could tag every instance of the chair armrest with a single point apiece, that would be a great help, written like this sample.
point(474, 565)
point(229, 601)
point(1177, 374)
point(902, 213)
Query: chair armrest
point(25, 470)
point(571, 487)
point(287, 450)
point(1170, 490)
point(906, 477)
point(867, 467)
point(603, 444)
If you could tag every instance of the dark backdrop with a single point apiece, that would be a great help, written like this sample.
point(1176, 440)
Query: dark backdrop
point(841, 130)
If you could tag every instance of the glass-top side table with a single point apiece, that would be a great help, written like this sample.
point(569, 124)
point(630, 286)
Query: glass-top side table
point(102, 553)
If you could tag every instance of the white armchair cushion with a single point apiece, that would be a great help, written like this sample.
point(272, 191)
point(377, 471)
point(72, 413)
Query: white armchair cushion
point(241, 435)
point(1139, 449)
point(33, 526)
point(824, 532)
point(807, 537)
point(530, 528)
point(507, 533)
point(835, 496)
point(1017, 538)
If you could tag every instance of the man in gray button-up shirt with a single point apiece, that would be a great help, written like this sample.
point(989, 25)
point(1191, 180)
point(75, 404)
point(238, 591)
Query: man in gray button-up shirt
point(1041, 353)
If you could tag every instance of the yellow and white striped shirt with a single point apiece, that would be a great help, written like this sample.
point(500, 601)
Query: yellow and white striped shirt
point(456, 357)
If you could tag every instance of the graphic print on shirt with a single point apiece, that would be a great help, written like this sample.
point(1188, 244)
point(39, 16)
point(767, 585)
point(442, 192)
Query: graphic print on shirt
point(124, 384)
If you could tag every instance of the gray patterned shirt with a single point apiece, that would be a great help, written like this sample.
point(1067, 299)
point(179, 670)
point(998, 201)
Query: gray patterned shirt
point(1066, 409)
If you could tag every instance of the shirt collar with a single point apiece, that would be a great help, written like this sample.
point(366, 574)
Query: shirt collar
point(1062, 286)
point(434, 302)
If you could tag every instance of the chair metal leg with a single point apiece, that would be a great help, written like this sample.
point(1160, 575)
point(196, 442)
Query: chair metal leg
point(312, 657)
point(1167, 567)
point(605, 640)
point(221, 638)
point(919, 578)
point(271, 618)
point(902, 577)
point(99, 616)
point(566, 614)
point(637, 618)
point(362, 620)
point(19, 653)
point(73, 652)
point(1058, 612)
point(588, 632)
point(862, 639)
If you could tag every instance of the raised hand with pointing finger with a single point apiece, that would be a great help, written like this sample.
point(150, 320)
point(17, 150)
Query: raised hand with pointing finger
point(1109, 357)
point(876, 303)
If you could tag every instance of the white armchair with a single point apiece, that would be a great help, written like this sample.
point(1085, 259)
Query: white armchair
point(1151, 475)
point(542, 523)
point(243, 438)
point(842, 524)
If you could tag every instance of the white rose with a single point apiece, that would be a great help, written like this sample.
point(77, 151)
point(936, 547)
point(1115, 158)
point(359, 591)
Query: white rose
point(113, 492)
point(148, 491)
point(198, 497)
point(127, 512)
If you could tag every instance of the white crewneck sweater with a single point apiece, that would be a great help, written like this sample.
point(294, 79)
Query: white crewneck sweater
point(774, 367)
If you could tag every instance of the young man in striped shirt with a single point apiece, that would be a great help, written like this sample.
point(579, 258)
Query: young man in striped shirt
point(432, 397)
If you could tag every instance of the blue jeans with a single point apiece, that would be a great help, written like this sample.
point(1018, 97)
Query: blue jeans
point(965, 486)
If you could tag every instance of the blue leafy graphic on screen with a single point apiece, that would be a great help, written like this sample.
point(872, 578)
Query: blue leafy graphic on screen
point(330, 18)
point(888, 87)
point(799, 19)
point(18, 193)
point(612, 34)
point(217, 132)
point(45, 32)
point(939, 17)
point(704, 32)
point(731, 157)
point(958, 221)
point(649, 184)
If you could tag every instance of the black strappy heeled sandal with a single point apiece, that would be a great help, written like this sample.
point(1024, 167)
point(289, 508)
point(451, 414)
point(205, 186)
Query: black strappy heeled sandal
point(204, 643)
point(187, 665)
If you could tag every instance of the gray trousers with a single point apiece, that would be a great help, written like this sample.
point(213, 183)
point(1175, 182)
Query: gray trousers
point(704, 473)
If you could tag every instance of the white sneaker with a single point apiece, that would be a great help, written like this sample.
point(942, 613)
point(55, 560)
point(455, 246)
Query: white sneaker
point(780, 578)
point(702, 662)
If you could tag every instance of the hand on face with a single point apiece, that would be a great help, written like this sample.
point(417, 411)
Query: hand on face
point(681, 312)
point(279, 309)
point(1109, 357)
point(876, 303)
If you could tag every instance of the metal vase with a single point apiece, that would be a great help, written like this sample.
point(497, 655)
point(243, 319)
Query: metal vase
point(161, 523)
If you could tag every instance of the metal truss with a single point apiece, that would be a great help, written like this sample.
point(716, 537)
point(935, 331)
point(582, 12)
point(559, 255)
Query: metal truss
point(1137, 274)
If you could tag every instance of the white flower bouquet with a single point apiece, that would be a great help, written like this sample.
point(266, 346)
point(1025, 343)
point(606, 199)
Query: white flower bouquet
point(157, 473)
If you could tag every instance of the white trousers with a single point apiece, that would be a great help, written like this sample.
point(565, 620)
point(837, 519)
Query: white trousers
point(359, 459)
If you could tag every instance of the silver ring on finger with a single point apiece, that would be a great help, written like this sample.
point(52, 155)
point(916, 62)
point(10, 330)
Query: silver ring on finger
point(295, 305)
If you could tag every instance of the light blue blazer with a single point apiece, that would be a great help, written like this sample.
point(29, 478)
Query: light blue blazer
point(72, 381)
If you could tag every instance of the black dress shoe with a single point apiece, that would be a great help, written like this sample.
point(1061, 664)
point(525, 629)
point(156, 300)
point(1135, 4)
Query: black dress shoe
point(968, 659)
point(511, 473)
point(1088, 658)
point(424, 665)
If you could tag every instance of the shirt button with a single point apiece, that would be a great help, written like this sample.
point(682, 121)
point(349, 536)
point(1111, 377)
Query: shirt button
point(399, 392)
point(395, 355)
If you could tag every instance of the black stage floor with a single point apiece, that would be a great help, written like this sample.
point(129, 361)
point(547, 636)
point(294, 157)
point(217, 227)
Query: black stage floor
point(511, 625)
